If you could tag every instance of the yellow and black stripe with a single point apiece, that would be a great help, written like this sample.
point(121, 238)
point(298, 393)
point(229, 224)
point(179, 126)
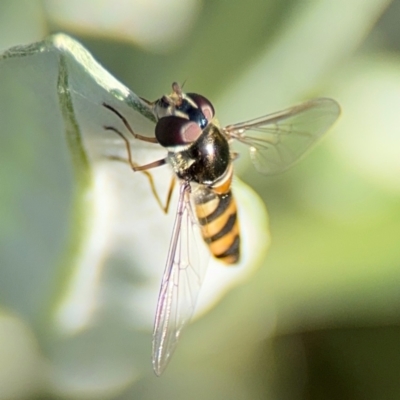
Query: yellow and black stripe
point(217, 215)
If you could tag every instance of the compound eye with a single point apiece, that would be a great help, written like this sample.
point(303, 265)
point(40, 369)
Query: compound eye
point(204, 105)
point(174, 131)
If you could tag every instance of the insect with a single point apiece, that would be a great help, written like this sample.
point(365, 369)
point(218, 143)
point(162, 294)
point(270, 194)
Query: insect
point(201, 157)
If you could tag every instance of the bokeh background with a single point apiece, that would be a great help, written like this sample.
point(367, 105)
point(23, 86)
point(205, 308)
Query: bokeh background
point(320, 317)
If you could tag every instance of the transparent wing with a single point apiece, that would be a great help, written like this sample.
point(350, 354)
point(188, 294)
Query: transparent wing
point(280, 139)
point(184, 273)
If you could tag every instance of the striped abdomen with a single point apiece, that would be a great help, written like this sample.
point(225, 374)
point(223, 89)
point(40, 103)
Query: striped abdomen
point(217, 215)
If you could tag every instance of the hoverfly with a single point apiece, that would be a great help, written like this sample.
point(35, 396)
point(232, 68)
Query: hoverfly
point(200, 155)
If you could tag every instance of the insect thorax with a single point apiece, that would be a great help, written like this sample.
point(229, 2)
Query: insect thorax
point(204, 161)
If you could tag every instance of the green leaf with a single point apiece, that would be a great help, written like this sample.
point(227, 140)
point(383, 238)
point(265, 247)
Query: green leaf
point(89, 231)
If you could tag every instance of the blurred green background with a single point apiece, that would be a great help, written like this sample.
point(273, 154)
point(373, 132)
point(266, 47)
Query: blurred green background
point(320, 319)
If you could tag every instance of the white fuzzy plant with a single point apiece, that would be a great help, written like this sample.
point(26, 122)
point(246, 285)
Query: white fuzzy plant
point(86, 240)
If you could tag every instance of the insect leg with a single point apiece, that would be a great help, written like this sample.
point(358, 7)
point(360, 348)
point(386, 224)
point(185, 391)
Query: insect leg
point(126, 123)
point(135, 166)
point(169, 195)
point(151, 165)
point(154, 191)
point(144, 169)
point(127, 145)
